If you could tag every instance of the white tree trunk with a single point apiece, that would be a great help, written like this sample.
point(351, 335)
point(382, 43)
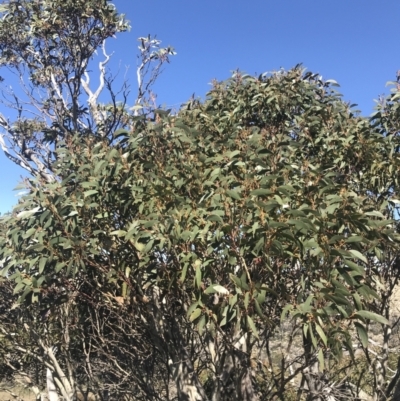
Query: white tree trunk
point(51, 386)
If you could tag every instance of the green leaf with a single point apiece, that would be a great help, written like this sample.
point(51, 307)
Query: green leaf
point(371, 316)
point(354, 238)
point(358, 255)
point(100, 165)
point(121, 132)
point(357, 300)
point(258, 309)
point(220, 289)
point(90, 192)
point(42, 264)
point(375, 213)
point(233, 300)
point(355, 267)
point(148, 246)
point(191, 308)
point(198, 276)
point(239, 282)
point(252, 326)
point(214, 217)
point(362, 334)
point(313, 339)
point(231, 155)
point(201, 324)
point(306, 306)
point(59, 266)
point(321, 360)
point(332, 82)
point(321, 334)
point(305, 329)
point(184, 272)
point(139, 246)
point(118, 233)
point(27, 213)
point(233, 194)
point(195, 314)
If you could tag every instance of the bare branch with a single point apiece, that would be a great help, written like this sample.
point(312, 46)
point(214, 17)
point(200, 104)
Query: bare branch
point(150, 52)
point(93, 97)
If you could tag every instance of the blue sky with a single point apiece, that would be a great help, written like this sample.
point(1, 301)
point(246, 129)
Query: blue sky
point(354, 42)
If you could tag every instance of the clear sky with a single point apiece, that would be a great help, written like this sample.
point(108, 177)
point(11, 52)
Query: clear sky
point(355, 42)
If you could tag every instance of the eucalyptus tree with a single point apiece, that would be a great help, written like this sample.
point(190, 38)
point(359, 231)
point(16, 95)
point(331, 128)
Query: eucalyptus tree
point(196, 233)
point(158, 256)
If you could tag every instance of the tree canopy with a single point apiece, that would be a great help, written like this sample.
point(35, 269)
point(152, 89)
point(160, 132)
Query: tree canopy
point(174, 249)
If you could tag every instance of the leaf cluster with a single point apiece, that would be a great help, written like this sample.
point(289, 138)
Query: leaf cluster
point(55, 37)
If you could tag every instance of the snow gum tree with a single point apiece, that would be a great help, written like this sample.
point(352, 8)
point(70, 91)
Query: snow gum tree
point(239, 249)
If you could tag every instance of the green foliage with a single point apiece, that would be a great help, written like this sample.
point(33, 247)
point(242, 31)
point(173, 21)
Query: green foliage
point(177, 246)
point(55, 37)
point(271, 197)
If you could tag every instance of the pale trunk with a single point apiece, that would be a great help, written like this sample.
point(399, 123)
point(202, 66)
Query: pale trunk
point(51, 387)
point(58, 380)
